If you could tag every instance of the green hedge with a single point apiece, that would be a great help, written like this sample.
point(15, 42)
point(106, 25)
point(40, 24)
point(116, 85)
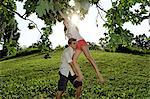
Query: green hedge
point(24, 52)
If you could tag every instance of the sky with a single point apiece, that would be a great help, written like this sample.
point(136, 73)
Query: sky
point(87, 27)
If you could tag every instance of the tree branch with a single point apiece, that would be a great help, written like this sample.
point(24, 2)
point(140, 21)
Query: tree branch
point(98, 6)
point(22, 16)
point(100, 15)
point(149, 16)
point(111, 1)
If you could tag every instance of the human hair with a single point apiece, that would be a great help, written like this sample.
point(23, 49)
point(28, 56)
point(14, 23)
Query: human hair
point(71, 40)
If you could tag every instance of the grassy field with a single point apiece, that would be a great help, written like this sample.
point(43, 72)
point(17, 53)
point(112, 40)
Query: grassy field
point(33, 77)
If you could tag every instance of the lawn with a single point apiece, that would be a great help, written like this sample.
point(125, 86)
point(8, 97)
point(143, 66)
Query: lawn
point(33, 77)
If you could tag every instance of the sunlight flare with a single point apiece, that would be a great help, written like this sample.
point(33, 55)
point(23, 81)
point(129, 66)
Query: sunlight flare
point(75, 19)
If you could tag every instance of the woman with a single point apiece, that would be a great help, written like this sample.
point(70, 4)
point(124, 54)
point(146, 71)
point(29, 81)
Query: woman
point(71, 31)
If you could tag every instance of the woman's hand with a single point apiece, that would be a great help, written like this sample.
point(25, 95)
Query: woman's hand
point(80, 78)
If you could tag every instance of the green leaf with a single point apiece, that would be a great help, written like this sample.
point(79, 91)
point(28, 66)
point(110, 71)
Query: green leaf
point(31, 26)
point(44, 6)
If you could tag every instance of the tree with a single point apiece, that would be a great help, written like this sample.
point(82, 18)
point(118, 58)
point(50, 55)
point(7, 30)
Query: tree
point(8, 28)
point(93, 46)
point(142, 41)
point(116, 17)
point(121, 13)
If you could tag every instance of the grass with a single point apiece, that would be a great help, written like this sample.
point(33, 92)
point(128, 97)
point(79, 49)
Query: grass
point(33, 77)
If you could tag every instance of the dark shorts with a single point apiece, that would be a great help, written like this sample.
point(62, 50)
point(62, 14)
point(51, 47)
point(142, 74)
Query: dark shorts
point(62, 83)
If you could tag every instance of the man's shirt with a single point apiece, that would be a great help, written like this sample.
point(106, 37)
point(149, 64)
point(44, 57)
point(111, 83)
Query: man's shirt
point(67, 56)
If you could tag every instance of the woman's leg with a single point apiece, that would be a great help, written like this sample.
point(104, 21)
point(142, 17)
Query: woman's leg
point(75, 58)
point(78, 92)
point(91, 60)
point(59, 94)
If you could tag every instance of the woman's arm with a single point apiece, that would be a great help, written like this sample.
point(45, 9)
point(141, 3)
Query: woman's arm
point(65, 17)
point(66, 20)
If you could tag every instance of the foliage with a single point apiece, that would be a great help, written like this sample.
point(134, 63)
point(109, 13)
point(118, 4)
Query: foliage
point(31, 26)
point(139, 45)
point(104, 41)
point(142, 41)
point(120, 13)
point(132, 49)
point(48, 10)
point(59, 47)
point(8, 28)
point(32, 76)
point(93, 46)
point(21, 53)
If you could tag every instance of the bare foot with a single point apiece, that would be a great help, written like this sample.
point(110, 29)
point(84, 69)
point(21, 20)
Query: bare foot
point(101, 81)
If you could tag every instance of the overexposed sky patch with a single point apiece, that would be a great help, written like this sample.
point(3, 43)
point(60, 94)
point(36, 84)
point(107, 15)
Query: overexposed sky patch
point(27, 36)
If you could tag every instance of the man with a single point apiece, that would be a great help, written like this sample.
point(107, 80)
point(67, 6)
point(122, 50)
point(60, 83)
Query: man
point(68, 71)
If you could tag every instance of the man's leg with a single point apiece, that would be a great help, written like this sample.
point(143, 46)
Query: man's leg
point(62, 83)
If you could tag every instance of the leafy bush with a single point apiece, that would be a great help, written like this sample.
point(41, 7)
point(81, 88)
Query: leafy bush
point(24, 52)
point(93, 46)
point(132, 50)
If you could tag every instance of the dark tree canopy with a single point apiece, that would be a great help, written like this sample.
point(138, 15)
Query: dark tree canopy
point(9, 34)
